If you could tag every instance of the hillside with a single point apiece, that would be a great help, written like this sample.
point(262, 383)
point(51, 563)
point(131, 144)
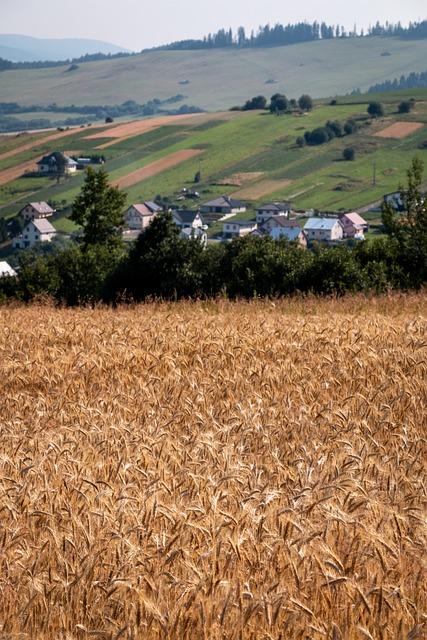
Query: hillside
point(214, 470)
point(19, 48)
point(251, 155)
point(219, 78)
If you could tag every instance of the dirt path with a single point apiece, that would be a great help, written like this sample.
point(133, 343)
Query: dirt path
point(158, 166)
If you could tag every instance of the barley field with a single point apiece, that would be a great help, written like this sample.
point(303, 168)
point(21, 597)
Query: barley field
point(214, 471)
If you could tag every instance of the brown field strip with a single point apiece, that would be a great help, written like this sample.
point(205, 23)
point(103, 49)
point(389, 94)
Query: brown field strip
point(8, 175)
point(214, 470)
point(137, 127)
point(158, 166)
point(261, 188)
point(239, 179)
point(399, 130)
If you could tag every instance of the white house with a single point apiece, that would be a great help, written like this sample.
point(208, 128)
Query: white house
point(6, 270)
point(238, 228)
point(224, 204)
point(273, 209)
point(195, 233)
point(37, 230)
point(188, 219)
point(57, 163)
point(289, 229)
point(34, 210)
point(353, 225)
point(323, 229)
point(139, 216)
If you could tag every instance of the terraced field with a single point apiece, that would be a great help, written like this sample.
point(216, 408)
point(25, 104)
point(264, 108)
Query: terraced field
point(257, 146)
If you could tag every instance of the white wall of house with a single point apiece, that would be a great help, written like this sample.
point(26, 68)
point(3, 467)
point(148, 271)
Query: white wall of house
point(262, 215)
point(135, 220)
point(325, 235)
point(231, 229)
point(31, 236)
point(29, 213)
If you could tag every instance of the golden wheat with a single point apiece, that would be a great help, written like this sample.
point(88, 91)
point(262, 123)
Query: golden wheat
point(214, 471)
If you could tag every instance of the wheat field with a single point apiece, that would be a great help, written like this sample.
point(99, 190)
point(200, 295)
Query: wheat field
point(214, 471)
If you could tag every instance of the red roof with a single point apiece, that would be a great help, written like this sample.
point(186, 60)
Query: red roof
point(353, 218)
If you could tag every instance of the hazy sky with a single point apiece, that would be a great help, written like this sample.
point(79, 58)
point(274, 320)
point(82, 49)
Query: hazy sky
point(136, 24)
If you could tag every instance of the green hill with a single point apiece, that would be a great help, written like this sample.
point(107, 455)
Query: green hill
point(219, 78)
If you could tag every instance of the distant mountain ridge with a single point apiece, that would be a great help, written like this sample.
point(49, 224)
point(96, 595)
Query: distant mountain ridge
point(20, 48)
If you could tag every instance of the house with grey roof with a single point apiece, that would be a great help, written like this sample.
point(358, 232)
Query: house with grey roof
point(224, 205)
point(34, 210)
point(272, 210)
point(37, 230)
point(323, 229)
point(186, 219)
point(57, 163)
point(139, 215)
point(238, 228)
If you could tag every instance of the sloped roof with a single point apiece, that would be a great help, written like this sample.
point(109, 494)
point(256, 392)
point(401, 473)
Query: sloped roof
point(185, 216)
point(6, 269)
point(146, 208)
point(354, 218)
point(41, 207)
point(291, 233)
point(43, 225)
point(282, 221)
point(54, 157)
point(275, 206)
point(320, 223)
point(241, 223)
point(225, 201)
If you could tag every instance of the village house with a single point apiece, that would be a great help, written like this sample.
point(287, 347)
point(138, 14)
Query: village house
point(277, 222)
point(6, 270)
point(353, 225)
point(34, 210)
point(224, 205)
point(37, 230)
point(238, 228)
point(188, 219)
point(195, 233)
point(57, 163)
point(323, 229)
point(289, 229)
point(139, 216)
point(272, 210)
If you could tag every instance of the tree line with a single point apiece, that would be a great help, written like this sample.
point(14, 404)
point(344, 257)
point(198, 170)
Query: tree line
point(412, 81)
point(161, 264)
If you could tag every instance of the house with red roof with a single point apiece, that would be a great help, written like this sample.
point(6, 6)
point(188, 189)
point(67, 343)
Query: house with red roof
point(34, 210)
point(353, 225)
point(139, 215)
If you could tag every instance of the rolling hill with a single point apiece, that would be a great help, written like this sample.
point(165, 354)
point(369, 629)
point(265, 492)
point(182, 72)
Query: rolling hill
point(19, 48)
point(219, 78)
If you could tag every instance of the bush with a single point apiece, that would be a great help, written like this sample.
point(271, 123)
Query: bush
point(405, 107)
point(375, 109)
point(350, 127)
point(349, 153)
point(317, 136)
point(305, 102)
point(300, 141)
point(335, 129)
point(278, 103)
point(109, 120)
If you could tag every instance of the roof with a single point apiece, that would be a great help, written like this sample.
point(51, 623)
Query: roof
point(185, 216)
point(354, 218)
point(6, 269)
point(146, 208)
point(321, 223)
point(241, 223)
point(193, 233)
point(43, 225)
point(275, 206)
point(282, 221)
point(54, 157)
point(291, 233)
point(225, 201)
point(40, 207)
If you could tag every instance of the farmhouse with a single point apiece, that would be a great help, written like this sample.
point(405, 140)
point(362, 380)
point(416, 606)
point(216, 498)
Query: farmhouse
point(195, 233)
point(37, 230)
point(238, 228)
point(188, 219)
point(289, 229)
point(6, 270)
point(277, 222)
point(139, 216)
point(323, 229)
point(353, 225)
point(36, 210)
point(57, 163)
point(224, 204)
point(271, 210)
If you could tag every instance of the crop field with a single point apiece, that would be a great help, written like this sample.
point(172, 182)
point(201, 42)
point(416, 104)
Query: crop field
point(214, 470)
point(400, 130)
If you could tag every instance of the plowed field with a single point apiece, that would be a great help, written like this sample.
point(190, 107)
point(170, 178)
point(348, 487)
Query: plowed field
point(399, 130)
point(156, 167)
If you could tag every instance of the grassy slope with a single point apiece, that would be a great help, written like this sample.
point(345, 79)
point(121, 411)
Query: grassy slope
point(248, 142)
point(221, 78)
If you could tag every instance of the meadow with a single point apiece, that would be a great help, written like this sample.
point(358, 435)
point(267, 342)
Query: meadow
point(214, 470)
point(220, 78)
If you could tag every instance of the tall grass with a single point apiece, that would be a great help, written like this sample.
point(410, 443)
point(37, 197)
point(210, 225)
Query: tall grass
point(217, 470)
